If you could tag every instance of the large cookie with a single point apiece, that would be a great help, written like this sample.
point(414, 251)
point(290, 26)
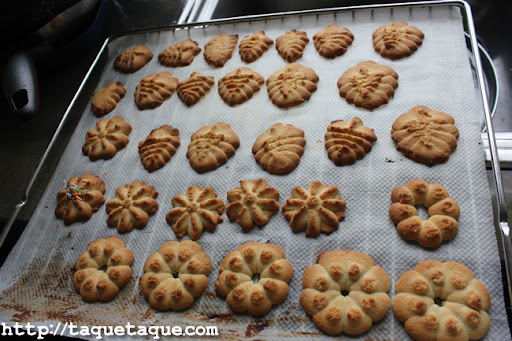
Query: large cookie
point(292, 85)
point(192, 89)
point(397, 40)
point(239, 86)
point(291, 45)
point(133, 59)
point(105, 99)
point(220, 49)
point(158, 148)
point(154, 89)
point(179, 54)
point(109, 135)
point(252, 47)
point(333, 41)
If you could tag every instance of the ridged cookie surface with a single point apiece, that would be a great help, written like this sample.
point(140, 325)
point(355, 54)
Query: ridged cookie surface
point(291, 45)
point(109, 136)
point(220, 49)
point(333, 41)
point(292, 85)
point(133, 59)
point(154, 89)
point(192, 89)
point(252, 47)
point(239, 86)
point(397, 40)
point(105, 99)
point(179, 54)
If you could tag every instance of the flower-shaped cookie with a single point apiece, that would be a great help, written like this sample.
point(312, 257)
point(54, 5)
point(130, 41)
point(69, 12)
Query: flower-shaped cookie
point(80, 199)
point(291, 45)
point(368, 85)
point(333, 41)
point(154, 89)
point(397, 40)
point(220, 49)
point(319, 209)
point(239, 86)
point(133, 59)
point(179, 54)
point(105, 99)
point(158, 148)
point(132, 206)
point(199, 209)
point(109, 136)
point(192, 89)
point(292, 85)
point(253, 203)
point(253, 46)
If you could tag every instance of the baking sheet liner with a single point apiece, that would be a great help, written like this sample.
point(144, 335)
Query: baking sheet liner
point(36, 278)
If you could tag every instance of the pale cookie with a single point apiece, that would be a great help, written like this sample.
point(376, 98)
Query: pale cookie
point(154, 89)
point(109, 136)
point(252, 47)
point(192, 89)
point(220, 49)
point(333, 41)
point(291, 45)
point(158, 148)
point(397, 40)
point(239, 86)
point(133, 59)
point(292, 85)
point(368, 85)
point(179, 54)
point(279, 149)
point(105, 99)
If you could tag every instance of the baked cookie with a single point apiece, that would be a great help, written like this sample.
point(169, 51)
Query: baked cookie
point(192, 89)
point(179, 54)
point(291, 45)
point(425, 135)
point(333, 41)
point(339, 272)
point(319, 209)
point(211, 146)
point(239, 86)
point(158, 148)
point(348, 141)
point(278, 150)
point(94, 284)
point(132, 206)
point(397, 40)
point(109, 136)
point(105, 99)
point(133, 59)
point(442, 210)
point(199, 209)
point(235, 280)
point(368, 85)
point(80, 199)
point(465, 302)
point(292, 85)
point(253, 203)
point(175, 275)
point(154, 89)
point(220, 49)
point(252, 47)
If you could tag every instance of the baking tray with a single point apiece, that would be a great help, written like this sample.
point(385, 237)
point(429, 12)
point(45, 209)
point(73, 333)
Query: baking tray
point(40, 291)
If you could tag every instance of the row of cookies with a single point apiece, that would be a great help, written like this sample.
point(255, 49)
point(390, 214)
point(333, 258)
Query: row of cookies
point(345, 292)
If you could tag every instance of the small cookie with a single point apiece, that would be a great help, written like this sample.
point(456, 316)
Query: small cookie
point(132, 206)
point(333, 41)
point(292, 85)
point(347, 142)
point(425, 135)
point(368, 85)
point(279, 149)
point(179, 54)
point(154, 89)
point(192, 89)
point(192, 213)
point(211, 146)
point(397, 40)
point(253, 203)
point(252, 47)
point(133, 59)
point(80, 199)
point(158, 148)
point(220, 49)
point(239, 86)
point(291, 45)
point(109, 136)
point(105, 99)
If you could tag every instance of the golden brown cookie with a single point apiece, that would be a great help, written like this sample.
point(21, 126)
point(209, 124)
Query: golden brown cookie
point(109, 136)
point(252, 47)
point(154, 89)
point(351, 272)
point(278, 150)
point(291, 45)
point(333, 41)
point(175, 275)
point(105, 99)
point(397, 40)
point(348, 141)
point(425, 135)
point(292, 85)
point(199, 209)
point(465, 302)
point(211, 146)
point(132, 206)
point(442, 210)
point(368, 85)
point(235, 280)
point(158, 148)
point(319, 209)
point(220, 49)
point(179, 54)
point(239, 86)
point(133, 59)
point(253, 203)
point(192, 89)
point(80, 199)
